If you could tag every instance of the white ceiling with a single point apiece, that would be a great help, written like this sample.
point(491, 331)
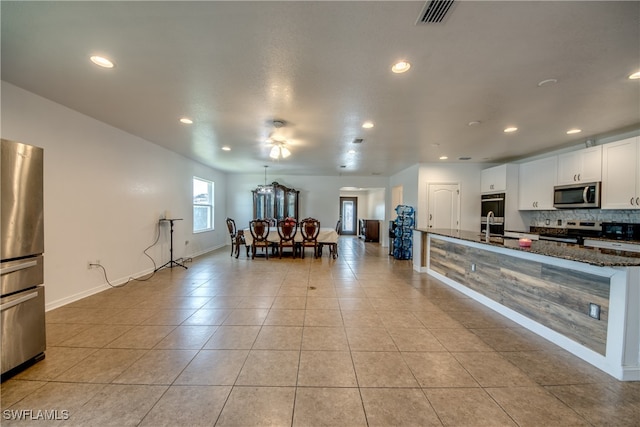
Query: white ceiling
point(324, 68)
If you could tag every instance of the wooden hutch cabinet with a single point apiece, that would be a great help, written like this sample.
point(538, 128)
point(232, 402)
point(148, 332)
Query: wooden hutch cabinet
point(275, 201)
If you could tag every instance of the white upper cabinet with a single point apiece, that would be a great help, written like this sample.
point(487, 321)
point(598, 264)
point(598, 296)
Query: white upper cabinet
point(536, 181)
point(580, 166)
point(621, 174)
point(493, 179)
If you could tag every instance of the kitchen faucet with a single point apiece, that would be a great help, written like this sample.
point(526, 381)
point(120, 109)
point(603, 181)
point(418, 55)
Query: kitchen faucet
point(489, 221)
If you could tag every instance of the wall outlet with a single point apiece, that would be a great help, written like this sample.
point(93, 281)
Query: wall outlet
point(92, 264)
point(473, 268)
point(594, 311)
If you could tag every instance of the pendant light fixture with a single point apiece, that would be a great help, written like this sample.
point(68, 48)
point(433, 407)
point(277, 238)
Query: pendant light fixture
point(265, 188)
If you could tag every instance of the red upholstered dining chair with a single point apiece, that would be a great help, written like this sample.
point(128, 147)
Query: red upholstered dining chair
point(259, 229)
point(287, 229)
point(309, 228)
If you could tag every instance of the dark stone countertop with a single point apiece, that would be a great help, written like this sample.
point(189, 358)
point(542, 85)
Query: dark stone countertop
point(589, 255)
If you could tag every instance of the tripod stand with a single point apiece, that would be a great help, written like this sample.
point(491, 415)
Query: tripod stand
point(171, 262)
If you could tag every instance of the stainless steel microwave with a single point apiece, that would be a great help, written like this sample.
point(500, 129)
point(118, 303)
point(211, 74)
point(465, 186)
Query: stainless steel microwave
point(577, 196)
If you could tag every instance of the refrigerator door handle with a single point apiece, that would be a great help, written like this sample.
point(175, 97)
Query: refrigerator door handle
point(17, 267)
point(17, 301)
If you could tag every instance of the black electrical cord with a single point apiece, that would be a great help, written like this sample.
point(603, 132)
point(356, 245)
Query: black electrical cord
point(131, 279)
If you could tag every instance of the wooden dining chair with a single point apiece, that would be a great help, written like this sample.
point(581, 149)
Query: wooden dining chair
point(259, 229)
point(309, 228)
point(287, 229)
point(237, 237)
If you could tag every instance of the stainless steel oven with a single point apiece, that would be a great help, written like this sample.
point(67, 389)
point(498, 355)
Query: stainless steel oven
point(492, 203)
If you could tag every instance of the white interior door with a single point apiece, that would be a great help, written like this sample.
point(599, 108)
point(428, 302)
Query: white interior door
point(443, 206)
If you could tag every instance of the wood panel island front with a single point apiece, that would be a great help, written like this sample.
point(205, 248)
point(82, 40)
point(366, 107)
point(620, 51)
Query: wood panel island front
point(586, 300)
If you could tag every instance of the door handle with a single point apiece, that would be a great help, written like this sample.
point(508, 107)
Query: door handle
point(17, 267)
point(17, 301)
point(430, 217)
point(584, 194)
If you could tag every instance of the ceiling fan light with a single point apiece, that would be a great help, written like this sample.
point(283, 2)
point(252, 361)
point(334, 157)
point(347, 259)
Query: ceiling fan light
point(275, 152)
point(285, 152)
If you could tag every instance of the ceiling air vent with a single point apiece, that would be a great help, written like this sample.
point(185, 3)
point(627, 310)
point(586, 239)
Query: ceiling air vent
point(358, 141)
point(434, 11)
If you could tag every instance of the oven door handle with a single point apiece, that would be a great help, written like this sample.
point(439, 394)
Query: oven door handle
point(497, 199)
point(17, 267)
point(17, 301)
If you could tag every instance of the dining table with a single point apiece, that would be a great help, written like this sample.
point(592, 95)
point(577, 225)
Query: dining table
point(326, 237)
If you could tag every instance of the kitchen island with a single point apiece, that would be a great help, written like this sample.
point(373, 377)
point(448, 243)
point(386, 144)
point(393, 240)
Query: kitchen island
point(586, 300)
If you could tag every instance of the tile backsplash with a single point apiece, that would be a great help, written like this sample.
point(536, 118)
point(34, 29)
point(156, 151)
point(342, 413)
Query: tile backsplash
point(557, 218)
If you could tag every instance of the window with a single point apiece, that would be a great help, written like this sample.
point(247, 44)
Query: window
point(202, 205)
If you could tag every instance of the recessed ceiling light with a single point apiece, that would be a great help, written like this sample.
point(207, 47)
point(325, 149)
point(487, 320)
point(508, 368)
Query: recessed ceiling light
point(225, 148)
point(474, 123)
point(367, 125)
point(572, 131)
point(464, 158)
point(635, 76)
point(401, 67)
point(510, 129)
point(186, 121)
point(343, 166)
point(101, 61)
point(547, 82)
point(443, 157)
point(351, 151)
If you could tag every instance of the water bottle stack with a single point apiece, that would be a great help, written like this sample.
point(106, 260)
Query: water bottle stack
point(403, 241)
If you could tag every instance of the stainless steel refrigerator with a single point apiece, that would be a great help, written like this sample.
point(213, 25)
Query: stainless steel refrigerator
point(22, 248)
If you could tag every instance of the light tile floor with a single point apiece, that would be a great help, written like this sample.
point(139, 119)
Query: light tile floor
point(361, 340)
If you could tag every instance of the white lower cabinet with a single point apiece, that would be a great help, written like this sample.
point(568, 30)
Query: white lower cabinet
point(621, 174)
point(536, 181)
